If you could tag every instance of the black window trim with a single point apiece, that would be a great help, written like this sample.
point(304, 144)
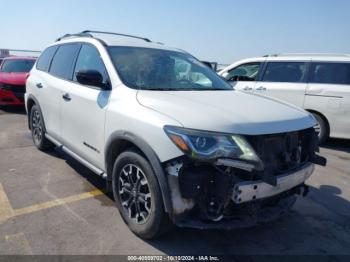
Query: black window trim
point(326, 62)
point(305, 77)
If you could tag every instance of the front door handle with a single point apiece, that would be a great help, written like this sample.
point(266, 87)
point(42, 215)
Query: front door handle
point(66, 97)
point(39, 85)
point(247, 88)
point(261, 88)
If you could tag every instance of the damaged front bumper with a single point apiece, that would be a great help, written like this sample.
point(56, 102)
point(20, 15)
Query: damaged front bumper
point(246, 191)
point(228, 193)
point(213, 200)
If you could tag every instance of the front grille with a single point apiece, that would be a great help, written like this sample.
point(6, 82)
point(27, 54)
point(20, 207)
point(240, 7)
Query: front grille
point(20, 96)
point(285, 152)
point(19, 89)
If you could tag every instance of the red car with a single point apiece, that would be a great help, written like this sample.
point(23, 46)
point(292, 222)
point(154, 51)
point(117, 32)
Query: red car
point(13, 75)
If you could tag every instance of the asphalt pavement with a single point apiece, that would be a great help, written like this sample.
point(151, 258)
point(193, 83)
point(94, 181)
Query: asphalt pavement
point(50, 204)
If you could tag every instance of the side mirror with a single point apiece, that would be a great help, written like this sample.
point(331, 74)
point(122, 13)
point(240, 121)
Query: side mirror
point(234, 78)
point(91, 78)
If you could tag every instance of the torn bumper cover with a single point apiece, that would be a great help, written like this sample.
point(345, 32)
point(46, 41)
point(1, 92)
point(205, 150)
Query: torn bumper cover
point(252, 190)
point(230, 193)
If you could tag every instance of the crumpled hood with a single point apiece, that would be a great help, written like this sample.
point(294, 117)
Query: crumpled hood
point(13, 78)
point(227, 111)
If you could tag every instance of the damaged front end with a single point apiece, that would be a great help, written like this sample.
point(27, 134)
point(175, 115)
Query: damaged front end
point(226, 181)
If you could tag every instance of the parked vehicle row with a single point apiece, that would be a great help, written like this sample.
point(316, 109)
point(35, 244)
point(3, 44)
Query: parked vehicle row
point(318, 83)
point(13, 74)
point(175, 142)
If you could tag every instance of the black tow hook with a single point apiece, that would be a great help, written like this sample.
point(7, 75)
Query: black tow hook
point(318, 160)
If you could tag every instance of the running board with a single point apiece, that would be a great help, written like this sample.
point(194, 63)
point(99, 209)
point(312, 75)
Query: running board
point(81, 160)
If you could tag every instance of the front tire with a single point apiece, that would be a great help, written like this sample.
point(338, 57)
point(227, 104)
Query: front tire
point(138, 196)
point(38, 130)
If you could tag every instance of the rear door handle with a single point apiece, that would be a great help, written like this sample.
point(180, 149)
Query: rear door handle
point(247, 88)
point(39, 85)
point(261, 88)
point(66, 97)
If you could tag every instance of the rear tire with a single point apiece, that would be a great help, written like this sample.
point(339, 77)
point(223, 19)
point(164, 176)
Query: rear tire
point(138, 196)
point(321, 128)
point(37, 127)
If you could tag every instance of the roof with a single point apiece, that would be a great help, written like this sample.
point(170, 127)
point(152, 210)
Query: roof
point(309, 56)
point(114, 39)
point(322, 57)
point(119, 42)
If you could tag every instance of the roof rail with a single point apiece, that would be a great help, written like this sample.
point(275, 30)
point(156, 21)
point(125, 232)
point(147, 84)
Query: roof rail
point(88, 33)
point(118, 34)
point(307, 54)
point(82, 34)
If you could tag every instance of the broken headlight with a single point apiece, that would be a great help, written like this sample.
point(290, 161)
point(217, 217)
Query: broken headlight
point(205, 145)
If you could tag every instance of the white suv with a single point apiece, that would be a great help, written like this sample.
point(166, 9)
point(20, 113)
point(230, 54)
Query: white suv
point(319, 83)
point(173, 149)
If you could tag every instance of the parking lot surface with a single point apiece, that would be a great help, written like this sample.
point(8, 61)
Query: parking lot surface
point(50, 204)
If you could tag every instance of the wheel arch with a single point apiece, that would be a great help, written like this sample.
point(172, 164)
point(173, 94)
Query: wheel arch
point(118, 142)
point(322, 116)
point(32, 101)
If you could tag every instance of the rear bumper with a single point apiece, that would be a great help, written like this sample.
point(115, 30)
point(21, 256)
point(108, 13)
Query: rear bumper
point(252, 190)
point(8, 97)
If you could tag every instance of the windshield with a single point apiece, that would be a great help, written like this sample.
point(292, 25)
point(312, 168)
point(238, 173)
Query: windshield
point(156, 69)
point(17, 66)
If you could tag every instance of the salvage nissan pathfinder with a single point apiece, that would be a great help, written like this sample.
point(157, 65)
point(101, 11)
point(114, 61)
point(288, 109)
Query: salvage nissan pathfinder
point(174, 141)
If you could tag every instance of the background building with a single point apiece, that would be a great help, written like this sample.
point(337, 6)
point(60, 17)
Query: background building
point(4, 52)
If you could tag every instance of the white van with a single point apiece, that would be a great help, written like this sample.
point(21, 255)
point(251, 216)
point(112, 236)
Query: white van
point(319, 83)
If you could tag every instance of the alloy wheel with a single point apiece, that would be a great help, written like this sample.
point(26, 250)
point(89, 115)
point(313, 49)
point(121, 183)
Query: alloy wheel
point(134, 193)
point(37, 127)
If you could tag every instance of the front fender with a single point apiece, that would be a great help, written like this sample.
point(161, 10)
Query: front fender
point(150, 155)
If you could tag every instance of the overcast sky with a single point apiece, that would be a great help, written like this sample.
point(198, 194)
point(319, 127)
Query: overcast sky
point(222, 31)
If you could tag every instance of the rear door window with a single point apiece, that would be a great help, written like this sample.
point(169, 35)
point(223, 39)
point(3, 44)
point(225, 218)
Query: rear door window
point(292, 72)
point(63, 61)
point(44, 60)
point(245, 72)
point(330, 73)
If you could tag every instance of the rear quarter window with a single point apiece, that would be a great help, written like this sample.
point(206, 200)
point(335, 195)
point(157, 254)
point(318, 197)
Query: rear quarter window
point(45, 59)
point(330, 73)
